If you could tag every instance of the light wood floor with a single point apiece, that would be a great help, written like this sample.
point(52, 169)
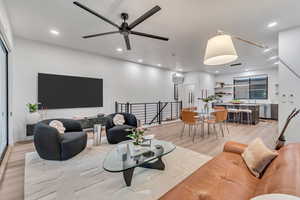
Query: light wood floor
point(12, 186)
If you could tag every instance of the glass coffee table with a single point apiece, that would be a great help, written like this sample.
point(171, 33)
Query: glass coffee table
point(118, 161)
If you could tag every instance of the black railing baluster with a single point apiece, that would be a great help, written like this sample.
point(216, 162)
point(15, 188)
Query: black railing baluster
point(116, 106)
point(159, 116)
point(171, 111)
point(145, 113)
point(158, 112)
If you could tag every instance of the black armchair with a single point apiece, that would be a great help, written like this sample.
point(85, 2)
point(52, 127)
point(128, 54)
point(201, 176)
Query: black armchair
point(118, 133)
point(50, 145)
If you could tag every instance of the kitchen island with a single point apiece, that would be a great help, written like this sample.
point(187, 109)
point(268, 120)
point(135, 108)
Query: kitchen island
point(254, 117)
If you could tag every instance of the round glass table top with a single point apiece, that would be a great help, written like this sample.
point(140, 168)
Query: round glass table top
point(121, 157)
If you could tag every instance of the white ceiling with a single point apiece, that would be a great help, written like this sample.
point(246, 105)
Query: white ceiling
point(188, 24)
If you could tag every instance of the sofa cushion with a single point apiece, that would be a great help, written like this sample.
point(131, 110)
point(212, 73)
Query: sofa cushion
point(257, 156)
point(283, 174)
point(224, 177)
point(58, 125)
point(118, 119)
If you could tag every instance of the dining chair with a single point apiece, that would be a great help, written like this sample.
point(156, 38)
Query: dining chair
point(219, 108)
point(191, 119)
point(193, 108)
point(220, 117)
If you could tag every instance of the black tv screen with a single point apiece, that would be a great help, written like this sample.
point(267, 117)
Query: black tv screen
point(57, 91)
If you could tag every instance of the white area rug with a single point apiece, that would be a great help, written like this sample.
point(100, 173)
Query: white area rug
point(83, 177)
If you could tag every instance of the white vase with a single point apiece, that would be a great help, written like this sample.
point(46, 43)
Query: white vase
point(33, 118)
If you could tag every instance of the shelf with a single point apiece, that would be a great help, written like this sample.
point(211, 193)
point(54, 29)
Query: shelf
point(218, 88)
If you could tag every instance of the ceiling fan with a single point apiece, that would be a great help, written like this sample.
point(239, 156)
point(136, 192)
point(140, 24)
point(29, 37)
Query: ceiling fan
point(125, 29)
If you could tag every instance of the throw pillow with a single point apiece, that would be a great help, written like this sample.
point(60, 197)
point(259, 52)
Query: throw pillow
point(118, 119)
point(58, 125)
point(257, 156)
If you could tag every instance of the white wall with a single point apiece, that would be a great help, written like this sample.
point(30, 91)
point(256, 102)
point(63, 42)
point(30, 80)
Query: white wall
point(123, 81)
point(198, 81)
point(272, 79)
point(289, 48)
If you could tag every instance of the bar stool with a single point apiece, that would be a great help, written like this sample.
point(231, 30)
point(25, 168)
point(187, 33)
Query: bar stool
point(235, 112)
point(248, 113)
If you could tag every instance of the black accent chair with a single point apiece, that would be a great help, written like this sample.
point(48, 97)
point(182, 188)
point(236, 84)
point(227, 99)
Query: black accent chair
point(117, 133)
point(50, 145)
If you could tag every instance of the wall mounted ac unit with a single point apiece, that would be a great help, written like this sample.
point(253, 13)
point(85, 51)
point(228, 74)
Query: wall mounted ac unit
point(177, 78)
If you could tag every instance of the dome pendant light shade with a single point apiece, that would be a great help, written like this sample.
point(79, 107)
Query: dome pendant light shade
point(220, 50)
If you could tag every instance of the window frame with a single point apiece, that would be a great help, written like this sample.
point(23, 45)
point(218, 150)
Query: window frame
point(4, 47)
point(249, 84)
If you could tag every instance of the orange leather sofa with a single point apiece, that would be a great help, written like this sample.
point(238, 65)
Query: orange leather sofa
point(226, 177)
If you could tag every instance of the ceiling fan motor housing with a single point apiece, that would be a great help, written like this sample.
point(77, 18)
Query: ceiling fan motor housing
point(124, 16)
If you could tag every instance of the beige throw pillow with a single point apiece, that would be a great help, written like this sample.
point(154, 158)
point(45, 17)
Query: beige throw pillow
point(118, 119)
point(257, 156)
point(58, 125)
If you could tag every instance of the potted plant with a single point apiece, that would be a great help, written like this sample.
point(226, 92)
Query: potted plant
point(33, 116)
point(137, 135)
point(207, 100)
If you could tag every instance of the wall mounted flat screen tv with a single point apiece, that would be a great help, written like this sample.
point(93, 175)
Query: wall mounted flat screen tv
point(57, 91)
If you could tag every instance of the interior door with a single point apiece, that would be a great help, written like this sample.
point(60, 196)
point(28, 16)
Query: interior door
point(189, 95)
point(3, 100)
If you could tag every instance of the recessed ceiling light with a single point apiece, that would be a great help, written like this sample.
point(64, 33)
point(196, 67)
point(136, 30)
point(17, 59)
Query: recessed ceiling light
point(273, 57)
point(217, 71)
point(54, 32)
point(119, 49)
point(140, 60)
point(180, 69)
point(246, 70)
point(272, 24)
point(159, 65)
point(276, 63)
point(267, 50)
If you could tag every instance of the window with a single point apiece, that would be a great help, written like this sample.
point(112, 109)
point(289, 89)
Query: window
point(254, 87)
point(3, 100)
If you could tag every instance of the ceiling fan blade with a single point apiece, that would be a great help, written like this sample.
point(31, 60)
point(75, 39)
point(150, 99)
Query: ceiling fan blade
point(127, 41)
point(144, 17)
point(149, 35)
point(100, 34)
point(95, 13)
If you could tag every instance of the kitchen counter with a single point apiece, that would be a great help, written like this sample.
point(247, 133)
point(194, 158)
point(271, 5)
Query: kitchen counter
point(236, 104)
point(254, 118)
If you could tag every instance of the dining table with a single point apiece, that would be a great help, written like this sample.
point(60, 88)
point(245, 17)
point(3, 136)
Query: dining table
point(202, 117)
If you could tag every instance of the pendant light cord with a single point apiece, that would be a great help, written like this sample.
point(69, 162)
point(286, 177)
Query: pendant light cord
point(220, 32)
point(289, 68)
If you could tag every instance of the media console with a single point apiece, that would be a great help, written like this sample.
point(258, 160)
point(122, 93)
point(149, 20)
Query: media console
point(86, 123)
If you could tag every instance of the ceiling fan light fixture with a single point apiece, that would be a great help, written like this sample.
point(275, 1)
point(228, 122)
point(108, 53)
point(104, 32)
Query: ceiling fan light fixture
point(220, 50)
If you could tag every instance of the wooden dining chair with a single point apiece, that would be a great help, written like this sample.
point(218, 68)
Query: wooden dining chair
point(219, 108)
point(220, 117)
point(193, 108)
point(190, 119)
